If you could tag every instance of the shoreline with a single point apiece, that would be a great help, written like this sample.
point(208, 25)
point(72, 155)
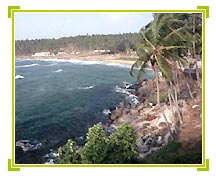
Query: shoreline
point(117, 59)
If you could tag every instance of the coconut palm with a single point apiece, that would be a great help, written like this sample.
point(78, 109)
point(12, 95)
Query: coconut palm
point(161, 39)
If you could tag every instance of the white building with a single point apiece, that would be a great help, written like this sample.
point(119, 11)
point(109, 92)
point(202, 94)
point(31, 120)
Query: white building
point(61, 53)
point(42, 54)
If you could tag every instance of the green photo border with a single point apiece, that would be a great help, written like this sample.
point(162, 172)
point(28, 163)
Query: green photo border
point(200, 167)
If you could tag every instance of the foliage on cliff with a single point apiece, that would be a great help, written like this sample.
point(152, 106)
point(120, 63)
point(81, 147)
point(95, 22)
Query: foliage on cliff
point(118, 148)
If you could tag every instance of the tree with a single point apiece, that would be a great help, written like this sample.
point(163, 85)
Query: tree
point(117, 148)
point(122, 146)
point(161, 39)
point(68, 154)
point(95, 149)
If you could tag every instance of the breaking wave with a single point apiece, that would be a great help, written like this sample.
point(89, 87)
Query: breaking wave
point(86, 88)
point(31, 65)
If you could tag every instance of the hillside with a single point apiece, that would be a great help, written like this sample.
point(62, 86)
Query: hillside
point(114, 42)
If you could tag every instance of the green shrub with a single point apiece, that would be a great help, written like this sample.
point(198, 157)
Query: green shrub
point(69, 154)
point(95, 149)
point(117, 148)
point(122, 145)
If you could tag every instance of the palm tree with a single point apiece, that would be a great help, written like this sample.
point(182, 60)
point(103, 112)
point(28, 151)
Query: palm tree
point(161, 39)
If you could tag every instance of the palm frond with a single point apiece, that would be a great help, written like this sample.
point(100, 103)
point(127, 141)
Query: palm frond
point(165, 68)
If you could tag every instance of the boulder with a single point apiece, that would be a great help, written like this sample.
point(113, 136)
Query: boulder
point(140, 107)
point(135, 86)
point(115, 114)
point(126, 110)
point(139, 142)
point(134, 112)
point(142, 148)
point(121, 105)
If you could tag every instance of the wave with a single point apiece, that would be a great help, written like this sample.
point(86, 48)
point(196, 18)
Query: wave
point(132, 99)
point(86, 88)
point(122, 90)
point(116, 64)
point(19, 77)
point(82, 62)
point(106, 111)
point(23, 66)
point(59, 70)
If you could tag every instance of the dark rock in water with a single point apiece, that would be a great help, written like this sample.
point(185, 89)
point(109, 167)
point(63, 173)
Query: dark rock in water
point(135, 86)
point(26, 145)
point(112, 108)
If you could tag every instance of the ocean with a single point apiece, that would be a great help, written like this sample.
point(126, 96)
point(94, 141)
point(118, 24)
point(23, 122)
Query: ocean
point(60, 99)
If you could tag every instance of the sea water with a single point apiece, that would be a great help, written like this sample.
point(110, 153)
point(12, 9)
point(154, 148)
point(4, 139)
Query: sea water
point(60, 99)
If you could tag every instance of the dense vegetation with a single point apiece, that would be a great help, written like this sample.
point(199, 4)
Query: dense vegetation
point(115, 43)
point(101, 148)
point(119, 148)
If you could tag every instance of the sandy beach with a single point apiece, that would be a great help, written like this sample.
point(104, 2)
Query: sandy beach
point(117, 58)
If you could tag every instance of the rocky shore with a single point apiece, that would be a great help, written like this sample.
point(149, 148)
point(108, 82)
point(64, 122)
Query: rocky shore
point(148, 122)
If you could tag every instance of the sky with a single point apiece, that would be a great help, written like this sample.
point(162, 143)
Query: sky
point(56, 25)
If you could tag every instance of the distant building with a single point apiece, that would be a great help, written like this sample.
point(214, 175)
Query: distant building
point(61, 53)
point(42, 54)
point(102, 51)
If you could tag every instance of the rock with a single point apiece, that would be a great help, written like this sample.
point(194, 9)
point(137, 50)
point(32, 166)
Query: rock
point(140, 107)
point(121, 104)
point(50, 161)
point(26, 145)
point(139, 142)
point(115, 114)
point(134, 112)
point(144, 155)
point(167, 138)
point(159, 141)
point(135, 86)
point(110, 130)
point(148, 141)
point(126, 110)
point(195, 106)
point(143, 148)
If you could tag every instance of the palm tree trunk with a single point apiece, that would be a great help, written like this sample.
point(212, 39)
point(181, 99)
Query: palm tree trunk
point(158, 100)
point(194, 50)
point(175, 100)
point(171, 104)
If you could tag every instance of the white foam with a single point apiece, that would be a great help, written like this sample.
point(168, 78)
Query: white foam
point(133, 99)
point(31, 65)
point(116, 64)
point(59, 70)
point(86, 88)
point(106, 111)
point(19, 77)
point(82, 62)
point(122, 90)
